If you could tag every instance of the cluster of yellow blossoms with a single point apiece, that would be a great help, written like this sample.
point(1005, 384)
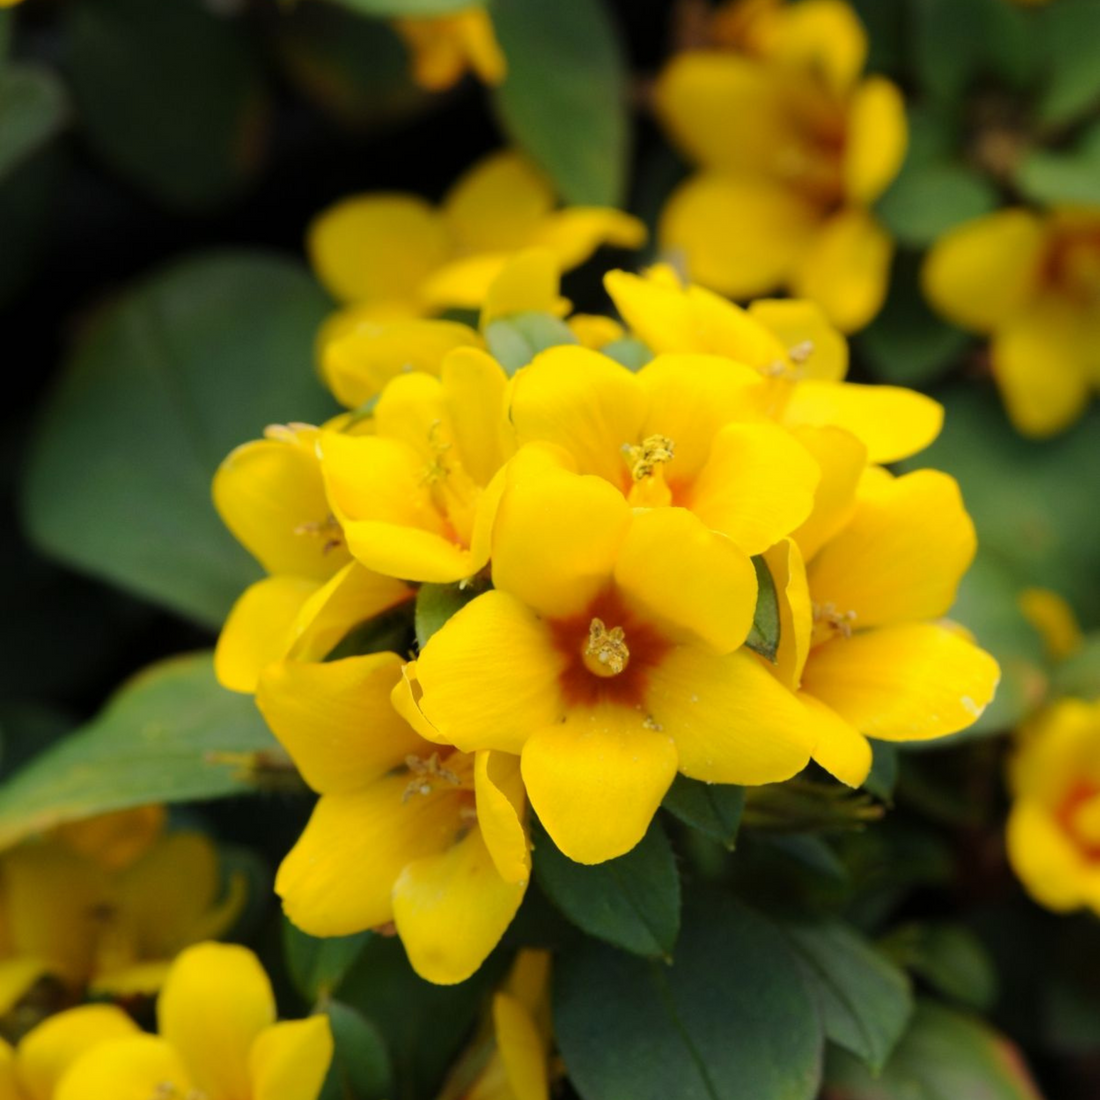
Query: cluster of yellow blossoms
point(605, 539)
point(218, 1040)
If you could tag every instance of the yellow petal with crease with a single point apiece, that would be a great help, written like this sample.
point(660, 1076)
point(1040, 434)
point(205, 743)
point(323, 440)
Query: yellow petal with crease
point(795, 611)
point(893, 423)
point(501, 813)
point(452, 908)
point(489, 677)
point(339, 877)
point(597, 779)
point(336, 720)
point(842, 458)
point(911, 682)
point(288, 1061)
point(474, 385)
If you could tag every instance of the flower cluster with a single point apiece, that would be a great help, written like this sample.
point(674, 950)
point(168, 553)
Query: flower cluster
point(218, 1040)
point(615, 575)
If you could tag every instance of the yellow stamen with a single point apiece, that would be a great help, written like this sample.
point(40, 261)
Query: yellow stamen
point(644, 459)
point(605, 652)
point(328, 527)
point(828, 621)
point(801, 352)
point(437, 468)
point(426, 774)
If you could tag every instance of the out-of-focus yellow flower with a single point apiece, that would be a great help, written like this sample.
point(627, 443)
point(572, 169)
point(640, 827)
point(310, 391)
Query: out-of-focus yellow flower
point(32, 1070)
point(429, 838)
point(516, 1034)
point(218, 1039)
point(414, 499)
point(270, 493)
point(792, 345)
point(394, 256)
point(860, 585)
point(1054, 826)
point(794, 149)
point(105, 905)
point(1054, 620)
point(607, 656)
point(445, 47)
point(1032, 283)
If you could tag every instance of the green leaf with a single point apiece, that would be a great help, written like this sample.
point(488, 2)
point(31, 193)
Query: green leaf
point(1069, 177)
point(177, 372)
point(632, 902)
point(29, 215)
point(907, 344)
point(945, 1055)
point(26, 729)
point(883, 777)
point(713, 808)
point(515, 340)
point(361, 1066)
point(628, 350)
point(565, 97)
point(424, 1026)
point(730, 1020)
point(33, 108)
point(865, 1000)
point(171, 734)
point(1071, 29)
point(950, 957)
point(764, 635)
point(170, 95)
point(1079, 673)
point(436, 603)
point(317, 966)
point(928, 199)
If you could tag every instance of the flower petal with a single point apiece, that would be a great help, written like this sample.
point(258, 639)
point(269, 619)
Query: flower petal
point(47, 1051)
point(377, 247)
point(572, 235)
point(125, 1069)
point(556, 538)
point(893, 423)
point(489, 676)
point(336, 720)
point(452, 908)
point(901, 556)
point(358, 364)
point(846, 269)
point(741, 237)
point(520, 1048)
point(802, 327)
point(824, 37)
point(289, 1061)
point(1041, 363)
point(699, 586)
point(502, 813)
point(841, 749)
point(258, 630)
point(582, 401)
point(795, 611)
point(842, 458)
point(465, 283)
point(981, 273)
point(474, 385)
point(17, 976)
point(757, 486)
point(596, 780)
point(339, 877)
point(269, 492)
point(877, 138)
point(214, 1003)
point(499, 204)
point(528, 283)
point(1041, 853)
point(731, 720)
point(911, 682)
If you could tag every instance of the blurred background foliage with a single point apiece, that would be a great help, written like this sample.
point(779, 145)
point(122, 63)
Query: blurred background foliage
point(159, 163)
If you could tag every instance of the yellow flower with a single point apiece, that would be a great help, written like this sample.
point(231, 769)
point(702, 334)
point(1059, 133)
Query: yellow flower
point(516, 1035)
point(271, 495)
point(607, 657)
point(413, 499)
point(445, 47)
point(429, 838)
point(105, 905)
point(32, 1070)
point(1054, 826)
point(218, 1040)
point(794, 149)
point(1032, 283)
point(792, 345)
point(395, 256)
point(860, 586)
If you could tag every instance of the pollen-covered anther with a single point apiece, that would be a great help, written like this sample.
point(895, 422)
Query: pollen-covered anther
point(605, 652)
point(644, 458)
point(437, 468)
point(328, 528)
point(828, 621)
point(801, 352)
point(426, 774)
point(166, 1090)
